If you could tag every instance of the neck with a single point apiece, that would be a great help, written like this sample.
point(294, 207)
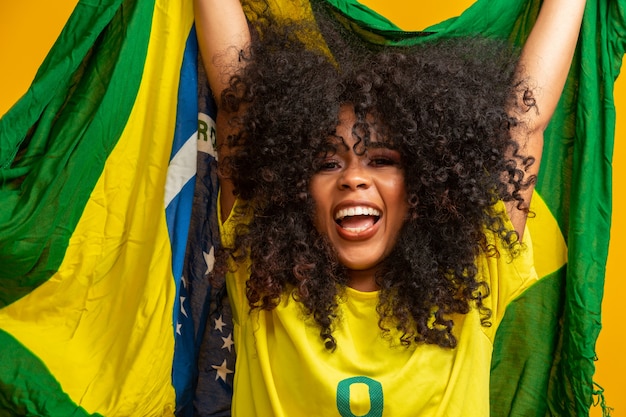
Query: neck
point(364, 281)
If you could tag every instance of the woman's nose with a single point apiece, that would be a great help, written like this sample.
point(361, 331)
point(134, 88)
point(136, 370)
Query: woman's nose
point(355, 176)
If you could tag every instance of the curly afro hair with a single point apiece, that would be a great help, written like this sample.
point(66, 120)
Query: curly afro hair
point(444, 104)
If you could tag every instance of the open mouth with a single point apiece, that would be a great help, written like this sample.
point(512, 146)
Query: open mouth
point(357, 219)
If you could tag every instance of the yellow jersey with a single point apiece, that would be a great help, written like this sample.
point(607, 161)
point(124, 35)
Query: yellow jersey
point(284, 370)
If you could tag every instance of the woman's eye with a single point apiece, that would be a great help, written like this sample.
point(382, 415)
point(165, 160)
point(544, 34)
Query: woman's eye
point(381, 162)
point(328, 165)
point(384, 157)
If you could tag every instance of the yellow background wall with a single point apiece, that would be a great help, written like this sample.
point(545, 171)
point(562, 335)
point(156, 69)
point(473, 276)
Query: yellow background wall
point(29, 29)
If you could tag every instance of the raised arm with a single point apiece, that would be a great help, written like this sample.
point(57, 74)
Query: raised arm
point(545, 62)
point(222, 33)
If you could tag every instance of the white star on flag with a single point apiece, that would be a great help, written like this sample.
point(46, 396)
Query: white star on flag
point(222, 371)
point(228, 342)
point(219, 324)
point(209, 260)
point(182, 306)
point(178, 327)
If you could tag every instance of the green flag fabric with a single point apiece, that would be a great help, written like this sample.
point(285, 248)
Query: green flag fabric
point(108, 224)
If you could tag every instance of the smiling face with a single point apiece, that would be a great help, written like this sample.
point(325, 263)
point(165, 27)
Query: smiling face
point(360, 202)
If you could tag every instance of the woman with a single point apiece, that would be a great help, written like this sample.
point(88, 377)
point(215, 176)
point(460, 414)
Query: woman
point(373, 248)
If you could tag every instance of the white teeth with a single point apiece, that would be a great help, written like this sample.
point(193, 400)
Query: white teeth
point(355, 230)
point(356, 211)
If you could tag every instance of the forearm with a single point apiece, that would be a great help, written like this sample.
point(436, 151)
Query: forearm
point(222, 33)
point(547, 56)
point(544, 65)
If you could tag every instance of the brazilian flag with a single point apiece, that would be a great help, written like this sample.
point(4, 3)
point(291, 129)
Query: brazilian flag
point(107, 173)
point(97, 174)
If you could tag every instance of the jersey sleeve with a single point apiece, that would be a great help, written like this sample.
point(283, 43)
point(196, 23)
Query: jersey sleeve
point(508, 272)
point(238, 272)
